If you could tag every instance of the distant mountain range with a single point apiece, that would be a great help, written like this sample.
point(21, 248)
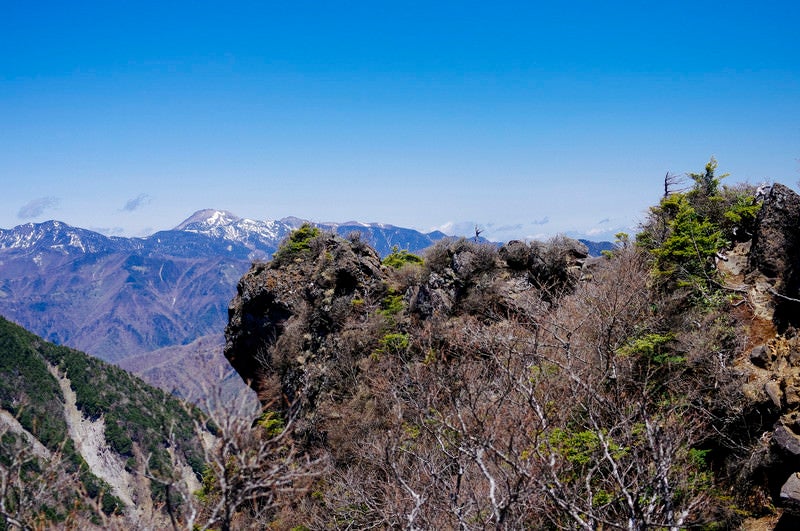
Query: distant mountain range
point(116, 297)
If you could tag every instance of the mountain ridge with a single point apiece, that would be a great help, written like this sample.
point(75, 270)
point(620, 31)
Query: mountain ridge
point(260, 235)
point(116, 297)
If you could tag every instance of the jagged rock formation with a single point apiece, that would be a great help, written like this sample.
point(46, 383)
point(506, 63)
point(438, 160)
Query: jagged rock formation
point(386, 370)
point(772, 385)
point(282, 318)
point(774, 259)
point(771, 368)
point(292, 314)
point(302, 327)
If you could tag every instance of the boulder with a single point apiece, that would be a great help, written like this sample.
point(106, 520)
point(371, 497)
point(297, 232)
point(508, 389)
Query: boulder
point(790, 493)
point(792, 394)
point(283, 313)
point(775, 253)
point(773, 390)
point(517, 255)
point(787, 440)
point(774, 248)
point(761, 356)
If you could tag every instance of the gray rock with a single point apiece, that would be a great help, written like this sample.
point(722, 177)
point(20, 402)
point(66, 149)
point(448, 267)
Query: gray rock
point(518, 255)
point(792, 396)
point(289, 308)
point(787, 440)
point(773, 390)
point(775, 253)
point(775, 240)
point(790, 493)
point(761, 356)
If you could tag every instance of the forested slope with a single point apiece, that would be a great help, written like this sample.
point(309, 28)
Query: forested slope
point(79, 437)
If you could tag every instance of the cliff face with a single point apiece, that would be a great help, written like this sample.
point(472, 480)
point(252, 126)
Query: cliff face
point(288, 316)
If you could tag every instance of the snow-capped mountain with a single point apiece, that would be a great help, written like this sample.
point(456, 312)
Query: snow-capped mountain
point(228, 226)
point(56, 235)
point(206, 219)
point(262, 237)
point(265, 236)
point(115, 297)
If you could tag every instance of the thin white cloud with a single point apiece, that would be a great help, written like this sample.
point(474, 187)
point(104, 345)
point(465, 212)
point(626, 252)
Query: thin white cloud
point(540, 236)
point(507, 228)
point(37, 207)
point(137, 202)
point(458, 228)
point(541, 229)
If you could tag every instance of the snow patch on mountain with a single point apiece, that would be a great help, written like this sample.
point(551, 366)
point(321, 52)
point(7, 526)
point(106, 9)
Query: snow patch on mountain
point(54, 235)
point(207, 218)
point(227, 226)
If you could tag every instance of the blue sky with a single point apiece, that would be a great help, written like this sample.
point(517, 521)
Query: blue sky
point(525, 118)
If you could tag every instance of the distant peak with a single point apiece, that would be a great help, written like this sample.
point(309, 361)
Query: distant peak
point(49, 225)
point(293, 221)
point(209, 217)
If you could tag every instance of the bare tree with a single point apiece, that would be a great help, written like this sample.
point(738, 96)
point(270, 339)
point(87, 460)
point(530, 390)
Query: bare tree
point(552, 419)
point(35, 480)
point(674, 183)
point(253, 468)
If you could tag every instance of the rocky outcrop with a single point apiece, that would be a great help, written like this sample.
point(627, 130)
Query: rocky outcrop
point(771, 376)
point(790, 493)
point(306, 330)
point(301, 325)
point(772, 371)
point(768, 265)
point(776, 237)
point(284, 315)
point(774, 260)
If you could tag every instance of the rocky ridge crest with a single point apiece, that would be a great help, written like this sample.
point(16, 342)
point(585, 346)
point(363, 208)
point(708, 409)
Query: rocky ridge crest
point(306, 329)
point(771, 368)
point(303, 327)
